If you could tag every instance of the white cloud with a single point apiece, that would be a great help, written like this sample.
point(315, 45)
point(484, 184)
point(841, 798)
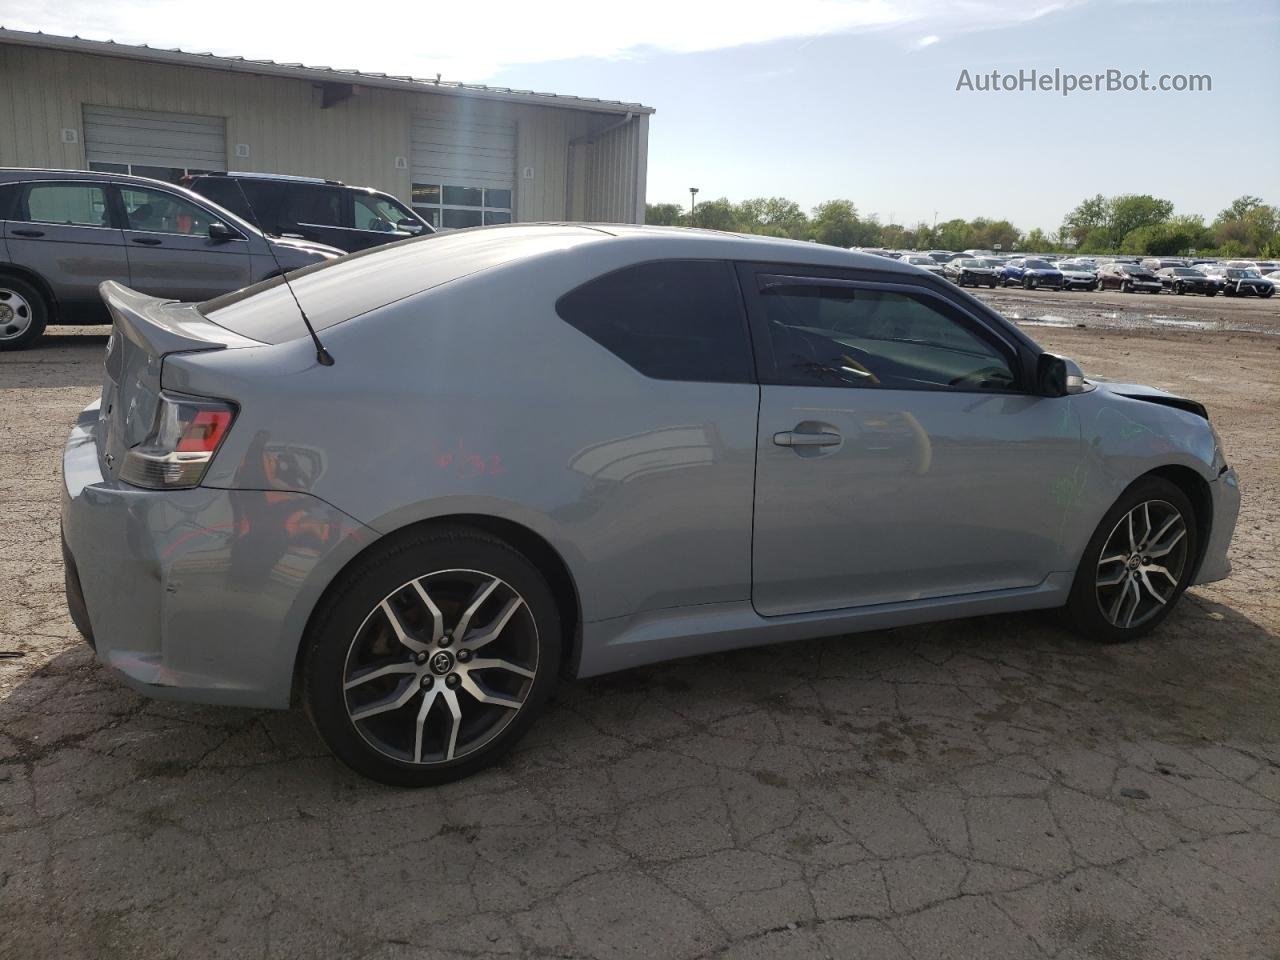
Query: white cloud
point(928, 41)
point(472, 43)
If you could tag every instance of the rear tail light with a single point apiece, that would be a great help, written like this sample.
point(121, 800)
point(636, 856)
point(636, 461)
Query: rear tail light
point(186, 434)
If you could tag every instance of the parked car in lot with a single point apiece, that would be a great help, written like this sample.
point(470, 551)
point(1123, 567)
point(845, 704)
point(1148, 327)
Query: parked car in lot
point(923, 262)
point(1237, 282)
point(552, 449)
point(1156, 264)
point(326, 211)
point(1078, 275)
point(1182, 280)
point(970, 271)
point(1128, 278)
point(1274, 277)
point(63, 232)
point(1030, 272)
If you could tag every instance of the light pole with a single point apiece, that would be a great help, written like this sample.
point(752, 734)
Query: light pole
point(693, 201)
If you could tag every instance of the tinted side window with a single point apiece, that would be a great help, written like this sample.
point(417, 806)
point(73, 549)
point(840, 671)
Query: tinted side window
point(225, 193)
point(312, 205)
point(671, 319)
point(856, 337)
point(9, 199)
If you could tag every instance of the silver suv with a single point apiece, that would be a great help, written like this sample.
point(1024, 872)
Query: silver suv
point(63, 232)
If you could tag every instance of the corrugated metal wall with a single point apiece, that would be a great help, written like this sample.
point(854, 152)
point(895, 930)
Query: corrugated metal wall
point(615, 170)
point(357, 140)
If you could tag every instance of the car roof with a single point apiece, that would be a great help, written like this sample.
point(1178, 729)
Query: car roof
point(14, 174)
point(675, 242)
point(346, 287)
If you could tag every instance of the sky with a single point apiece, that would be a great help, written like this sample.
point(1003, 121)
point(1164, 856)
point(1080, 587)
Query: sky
point(821, 99)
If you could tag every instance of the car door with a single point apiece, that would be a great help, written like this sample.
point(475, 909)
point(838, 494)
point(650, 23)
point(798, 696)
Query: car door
point(63, 231)
point(170, 251)
point(899, 458)
point(319, 213)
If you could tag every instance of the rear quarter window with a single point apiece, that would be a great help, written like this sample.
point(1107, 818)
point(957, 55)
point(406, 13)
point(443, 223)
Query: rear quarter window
point(669, 319)
point(8, 199)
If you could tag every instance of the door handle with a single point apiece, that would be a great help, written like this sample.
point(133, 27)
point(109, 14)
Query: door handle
point(28, 233)
point(794, 438)
point(147, 241)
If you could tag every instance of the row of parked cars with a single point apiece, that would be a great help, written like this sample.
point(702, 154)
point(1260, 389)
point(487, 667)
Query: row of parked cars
point(63, 232)
point(1178, 275)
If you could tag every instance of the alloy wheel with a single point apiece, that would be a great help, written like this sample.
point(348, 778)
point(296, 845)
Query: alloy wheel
point(1142, 563)
point(15, 314)
point(440, 666)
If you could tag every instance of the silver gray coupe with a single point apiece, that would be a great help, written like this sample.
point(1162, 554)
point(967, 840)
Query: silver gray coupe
point(414, 486)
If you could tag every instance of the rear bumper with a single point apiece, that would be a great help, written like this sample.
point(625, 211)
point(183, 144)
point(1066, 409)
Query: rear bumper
point(1225, 493)
point(201, 594)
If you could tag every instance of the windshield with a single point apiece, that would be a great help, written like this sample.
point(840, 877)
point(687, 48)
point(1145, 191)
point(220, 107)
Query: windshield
point(1250, 274)
point(1038, 265)
point(972, 262)
point(380, 213)
point(1186, 272)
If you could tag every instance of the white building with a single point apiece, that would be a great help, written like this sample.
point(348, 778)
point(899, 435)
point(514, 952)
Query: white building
point(462, 154)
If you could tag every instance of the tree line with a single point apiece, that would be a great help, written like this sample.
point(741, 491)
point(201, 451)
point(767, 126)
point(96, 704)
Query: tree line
point(1128, 223)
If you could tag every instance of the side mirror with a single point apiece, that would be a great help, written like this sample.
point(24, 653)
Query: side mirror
point(412, 226)
point(1058, 376)
point(221, 232)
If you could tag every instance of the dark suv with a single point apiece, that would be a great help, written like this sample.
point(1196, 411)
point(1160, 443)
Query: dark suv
point(63, 232)
point(326, 211)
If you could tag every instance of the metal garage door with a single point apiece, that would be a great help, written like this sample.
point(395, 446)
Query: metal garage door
point(463, 170)
point(149, 143)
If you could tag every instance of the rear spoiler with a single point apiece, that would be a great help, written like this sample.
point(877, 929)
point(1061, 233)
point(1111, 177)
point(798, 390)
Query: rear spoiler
point(162, 326)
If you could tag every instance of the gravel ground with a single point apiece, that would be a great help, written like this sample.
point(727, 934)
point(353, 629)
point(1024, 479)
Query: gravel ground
point(990, 787)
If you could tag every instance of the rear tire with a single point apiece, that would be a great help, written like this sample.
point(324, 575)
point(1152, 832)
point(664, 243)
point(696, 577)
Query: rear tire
point(24, 313)
point(405, 702)
point(1164, 541)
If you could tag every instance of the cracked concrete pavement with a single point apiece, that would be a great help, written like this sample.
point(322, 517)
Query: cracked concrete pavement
point(984, 788)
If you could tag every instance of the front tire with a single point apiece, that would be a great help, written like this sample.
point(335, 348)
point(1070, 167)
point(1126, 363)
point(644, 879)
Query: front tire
point(1137, 564)
point(24, 313)
point(432, 656)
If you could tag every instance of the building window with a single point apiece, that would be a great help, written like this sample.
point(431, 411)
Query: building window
point(451, 207)
point(167, 174)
